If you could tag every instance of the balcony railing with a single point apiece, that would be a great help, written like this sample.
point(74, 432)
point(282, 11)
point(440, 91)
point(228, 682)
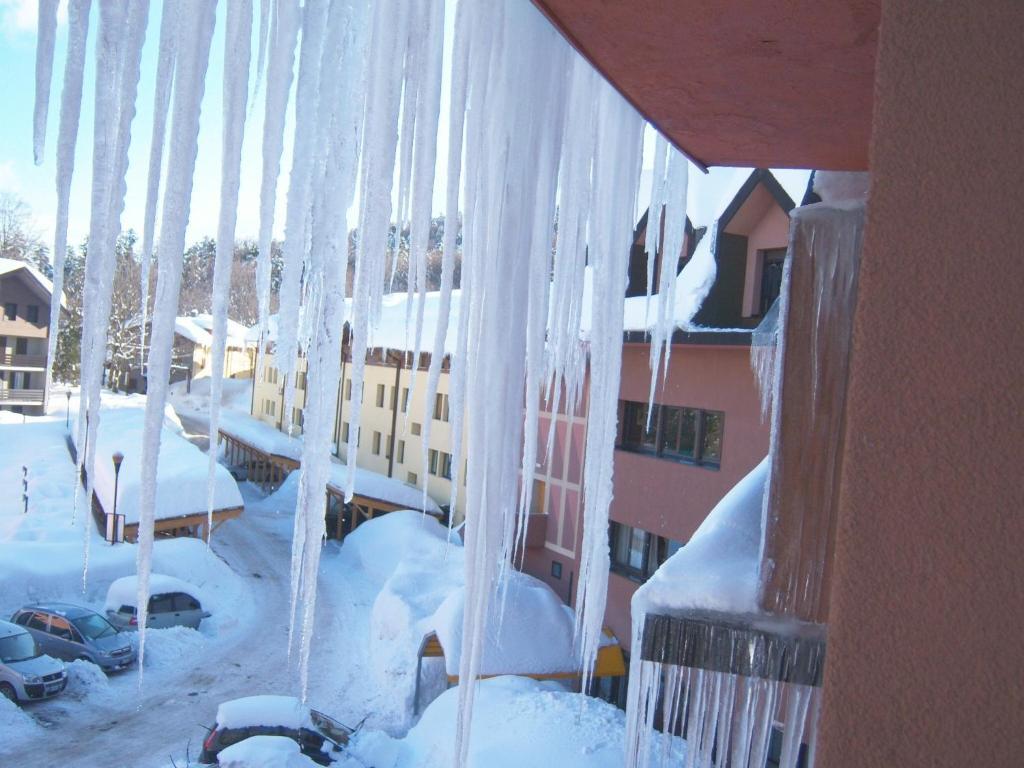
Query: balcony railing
point(21, 396)
point(22, 361)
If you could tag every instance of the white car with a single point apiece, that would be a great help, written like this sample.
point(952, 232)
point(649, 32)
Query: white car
point(172, 603)
point(26, 674)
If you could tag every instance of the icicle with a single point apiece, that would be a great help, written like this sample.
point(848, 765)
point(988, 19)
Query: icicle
point(654, 215)
point(675, 236)
point(45, 40)
point(380, 138)
point(344, 61)
point(297, 211)
point(161, 103)
point(118, 51)
point(67, 138)
point(197, 21)
point(616, 178)
point(283, 35)
point(796, 721)
point(763, 347)
point(237, 54)
point(261, 57)
point(456, 118)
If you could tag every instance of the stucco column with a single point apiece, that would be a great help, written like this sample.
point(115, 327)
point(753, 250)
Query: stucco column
point(925, 661)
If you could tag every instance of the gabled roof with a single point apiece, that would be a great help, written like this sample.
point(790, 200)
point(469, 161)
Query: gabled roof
point(40, 281)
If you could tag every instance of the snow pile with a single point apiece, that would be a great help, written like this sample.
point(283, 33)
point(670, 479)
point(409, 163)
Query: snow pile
point(236, 396)
point(86, 680)
point(124, 591)
point(16, 725)
point(380, 545)
point(181, 474)
point(719, 567)
point(264, 752)
point(516, 722)
point(284, 711)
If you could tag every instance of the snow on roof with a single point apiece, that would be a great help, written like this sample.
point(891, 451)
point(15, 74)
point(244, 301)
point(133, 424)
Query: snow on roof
point(380, 545)
point(7, 629)
point(283, 711)
point(264, 752)
point(181, 471)
point(124, 591)
point(517, 722)
point(719, 568)
point(370, 484)
point(199, 330)
point(12, 265)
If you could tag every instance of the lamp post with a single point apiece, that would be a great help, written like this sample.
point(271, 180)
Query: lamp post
point(67, 413)
point(118, 457)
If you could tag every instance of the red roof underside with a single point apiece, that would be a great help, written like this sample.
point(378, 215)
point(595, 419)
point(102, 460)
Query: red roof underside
point(768, 83)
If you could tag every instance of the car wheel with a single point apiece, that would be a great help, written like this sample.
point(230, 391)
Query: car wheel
point(8, 692)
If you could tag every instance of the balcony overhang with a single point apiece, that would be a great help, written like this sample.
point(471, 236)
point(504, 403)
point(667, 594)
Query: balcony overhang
point(788, 84)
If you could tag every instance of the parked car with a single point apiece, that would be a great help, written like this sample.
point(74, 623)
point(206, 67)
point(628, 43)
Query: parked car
point(319, 737)
point(25, 673)
point(172, 603)
point(71, 632)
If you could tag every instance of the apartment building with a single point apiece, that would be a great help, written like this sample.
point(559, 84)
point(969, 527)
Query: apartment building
point(394, 411)
point(706, 430)
point(25, 295)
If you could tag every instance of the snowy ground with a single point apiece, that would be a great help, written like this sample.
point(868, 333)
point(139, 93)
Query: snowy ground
point(242, 650)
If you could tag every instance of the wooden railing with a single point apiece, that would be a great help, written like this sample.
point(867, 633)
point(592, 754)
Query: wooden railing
point(22, 361)
point(21, 396)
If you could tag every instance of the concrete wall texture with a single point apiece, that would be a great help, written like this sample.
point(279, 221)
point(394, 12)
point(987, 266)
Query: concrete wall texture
point(925, 665)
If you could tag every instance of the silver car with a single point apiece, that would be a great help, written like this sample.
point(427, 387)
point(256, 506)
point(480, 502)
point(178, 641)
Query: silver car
point(170, 609)
point(71, 632)
point(25, 673)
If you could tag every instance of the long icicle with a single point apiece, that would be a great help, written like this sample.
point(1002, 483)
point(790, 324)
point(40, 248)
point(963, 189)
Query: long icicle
point(190, 76)
point(45, 41)
point(161, 103)
point(237, 55)
point(67, 139)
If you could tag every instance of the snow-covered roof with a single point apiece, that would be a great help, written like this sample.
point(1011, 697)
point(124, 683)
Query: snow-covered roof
point(199, 330)
point(369, 484)
point(8, 266)
point(181, 471)
point(124, 591)
point(283, 711)
point(264, 752)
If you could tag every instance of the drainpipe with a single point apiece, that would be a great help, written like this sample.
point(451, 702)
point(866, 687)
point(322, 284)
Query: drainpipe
point(341, 401)
point(394, 415)
point(252, 398)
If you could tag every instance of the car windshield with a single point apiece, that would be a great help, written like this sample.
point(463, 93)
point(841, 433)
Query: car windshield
point(94, 626)
point(18, 647)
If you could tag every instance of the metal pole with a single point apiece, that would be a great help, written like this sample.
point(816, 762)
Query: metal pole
point(67, 413)
point(117, 458)
point(24, 486)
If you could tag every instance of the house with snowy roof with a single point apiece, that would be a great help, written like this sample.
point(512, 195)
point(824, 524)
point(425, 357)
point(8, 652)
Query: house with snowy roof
point(25, 298)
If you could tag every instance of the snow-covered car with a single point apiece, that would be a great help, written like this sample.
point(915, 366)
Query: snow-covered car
point(319, 737)
point(172, 603)
point(72, 632)
point(26, 674)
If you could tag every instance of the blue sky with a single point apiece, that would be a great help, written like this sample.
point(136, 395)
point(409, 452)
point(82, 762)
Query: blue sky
point(35, 184)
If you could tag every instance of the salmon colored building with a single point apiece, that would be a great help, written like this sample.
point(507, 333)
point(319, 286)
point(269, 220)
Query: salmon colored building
point(925, 582)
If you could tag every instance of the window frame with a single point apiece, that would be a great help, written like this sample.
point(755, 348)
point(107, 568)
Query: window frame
point(630, 410)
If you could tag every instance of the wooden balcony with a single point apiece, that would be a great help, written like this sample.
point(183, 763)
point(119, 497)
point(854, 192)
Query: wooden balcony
point(21, 396)
point(11, 360)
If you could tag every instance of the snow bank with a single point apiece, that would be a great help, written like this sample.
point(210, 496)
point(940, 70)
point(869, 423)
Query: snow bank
point(264, 752)
point(381, 544)
point(181, 472)
point(16, 726)
point(516, 722)
point(86, 680)
point(284, 711)
point(237, 396)
point(718, 569)
point(124, 591)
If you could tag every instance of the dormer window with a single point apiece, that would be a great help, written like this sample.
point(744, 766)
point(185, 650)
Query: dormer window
point(771, 276)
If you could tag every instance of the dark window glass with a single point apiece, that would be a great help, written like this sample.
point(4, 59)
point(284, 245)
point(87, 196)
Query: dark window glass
point(556, 569)
point(629, 550)
point(38, 621)
point(635, 434)
point(771, 277)
point(33, 313)
point(183, 602)
point(22, 619)
point(161, 604)
point(678, 432)
point(711, 437)
point(10, 311)
point(446, 466)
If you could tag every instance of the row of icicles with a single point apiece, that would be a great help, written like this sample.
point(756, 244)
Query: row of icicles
point(531, 129)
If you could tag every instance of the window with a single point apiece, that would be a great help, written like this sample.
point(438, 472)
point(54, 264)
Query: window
point(300, 380)
point(690, 435)
point(432, 461)
point(344, 432)
point(405, 399)
point(269, 408)
point(393, 400)
point(161, 603)
point(556, 569)
point(637, 554)
point(411, 478)
point(538, 497)
point(60, 627)
point(771, 276)
point(446, 465)
point(10, 311)
point(387, 447)
point(38, 621)
point(380, 395)
point(348, 389)
point(401, 451)
point(183, 602)
point(416, 428)
point(32, 315)
point(270, 375)
point(376, 443)
point(441, 407)
point(298, 417)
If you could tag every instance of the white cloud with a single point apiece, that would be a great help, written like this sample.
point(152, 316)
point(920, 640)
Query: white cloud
point(18, 17)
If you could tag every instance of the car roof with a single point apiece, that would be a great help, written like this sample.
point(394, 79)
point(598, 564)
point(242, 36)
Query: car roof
point(9, 630)
point(67, 610)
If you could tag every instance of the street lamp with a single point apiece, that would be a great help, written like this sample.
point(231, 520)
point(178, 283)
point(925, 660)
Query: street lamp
point(118, 457)
point(67, 413)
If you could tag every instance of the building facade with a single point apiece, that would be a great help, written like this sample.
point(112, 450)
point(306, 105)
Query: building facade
point(25, 296)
